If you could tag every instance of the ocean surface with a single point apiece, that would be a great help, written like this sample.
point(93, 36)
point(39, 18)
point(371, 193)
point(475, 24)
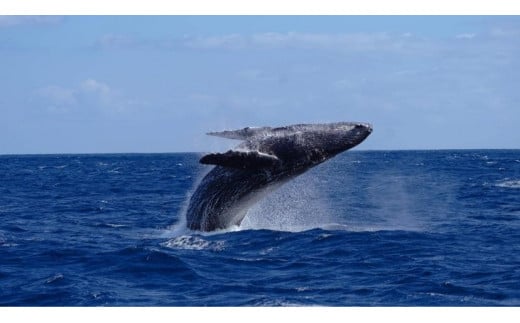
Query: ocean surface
point(366, 228)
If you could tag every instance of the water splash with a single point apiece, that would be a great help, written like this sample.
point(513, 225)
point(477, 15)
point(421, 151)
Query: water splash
point(297, 206)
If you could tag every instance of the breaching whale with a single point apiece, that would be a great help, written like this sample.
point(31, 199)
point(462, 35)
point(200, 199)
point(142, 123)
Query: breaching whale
point(267, 158)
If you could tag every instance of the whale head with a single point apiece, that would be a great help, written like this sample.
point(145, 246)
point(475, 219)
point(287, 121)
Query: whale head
point(335, 138)
point(306, 145)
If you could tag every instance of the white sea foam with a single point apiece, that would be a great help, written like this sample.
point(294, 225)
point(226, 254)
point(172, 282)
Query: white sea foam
point(54, 278)
point(279, 302)
point(515, 183)
point(187, 242)
point(114, 225)
point(4, 241)
point(360, 227)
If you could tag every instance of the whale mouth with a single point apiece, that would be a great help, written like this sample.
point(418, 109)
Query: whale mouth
point(366, 126)
point(359, 127)
point(354, 135)
point(349, 126)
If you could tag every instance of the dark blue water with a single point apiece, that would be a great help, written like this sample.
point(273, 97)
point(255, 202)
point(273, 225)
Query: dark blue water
point(365, 228)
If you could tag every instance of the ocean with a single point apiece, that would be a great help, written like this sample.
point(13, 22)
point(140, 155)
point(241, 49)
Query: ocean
point(366, 228)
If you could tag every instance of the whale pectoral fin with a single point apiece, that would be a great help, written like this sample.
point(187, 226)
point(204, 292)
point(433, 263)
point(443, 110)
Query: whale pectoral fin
point(241, 159)
point(242, 134)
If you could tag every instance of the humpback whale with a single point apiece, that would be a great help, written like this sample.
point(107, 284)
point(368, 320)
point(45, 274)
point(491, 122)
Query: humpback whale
point(266, 158)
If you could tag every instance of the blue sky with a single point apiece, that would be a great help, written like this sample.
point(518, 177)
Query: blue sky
point(99, 84)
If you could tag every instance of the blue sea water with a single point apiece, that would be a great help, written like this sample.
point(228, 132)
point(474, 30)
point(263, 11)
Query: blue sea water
point(386, 228)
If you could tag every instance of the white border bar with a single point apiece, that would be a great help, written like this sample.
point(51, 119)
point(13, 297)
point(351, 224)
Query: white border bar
point(259, 7)
point(263, 314)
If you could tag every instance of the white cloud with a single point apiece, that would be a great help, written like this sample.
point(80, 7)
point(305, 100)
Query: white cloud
point(355, 41)
point(11, 21)
point(351, 40)
point(90, 93)
point(502, 32)
point(466, 36)
point(271, 40)
point(115, 41)
point(91, 85)
point(231, 41)
point(100, 94)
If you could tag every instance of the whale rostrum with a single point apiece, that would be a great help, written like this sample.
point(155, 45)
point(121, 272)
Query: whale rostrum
point(265, 159)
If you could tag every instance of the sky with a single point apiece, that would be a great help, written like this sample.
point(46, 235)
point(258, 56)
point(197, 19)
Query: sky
point(114, 84)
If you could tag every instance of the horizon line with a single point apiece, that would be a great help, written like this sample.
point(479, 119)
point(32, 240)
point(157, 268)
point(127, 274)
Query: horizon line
point(205, 152)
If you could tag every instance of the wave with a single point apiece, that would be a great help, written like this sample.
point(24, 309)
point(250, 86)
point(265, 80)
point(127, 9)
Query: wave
point(515, 183)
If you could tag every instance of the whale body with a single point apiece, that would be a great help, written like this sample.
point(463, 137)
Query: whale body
point(266, 158)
